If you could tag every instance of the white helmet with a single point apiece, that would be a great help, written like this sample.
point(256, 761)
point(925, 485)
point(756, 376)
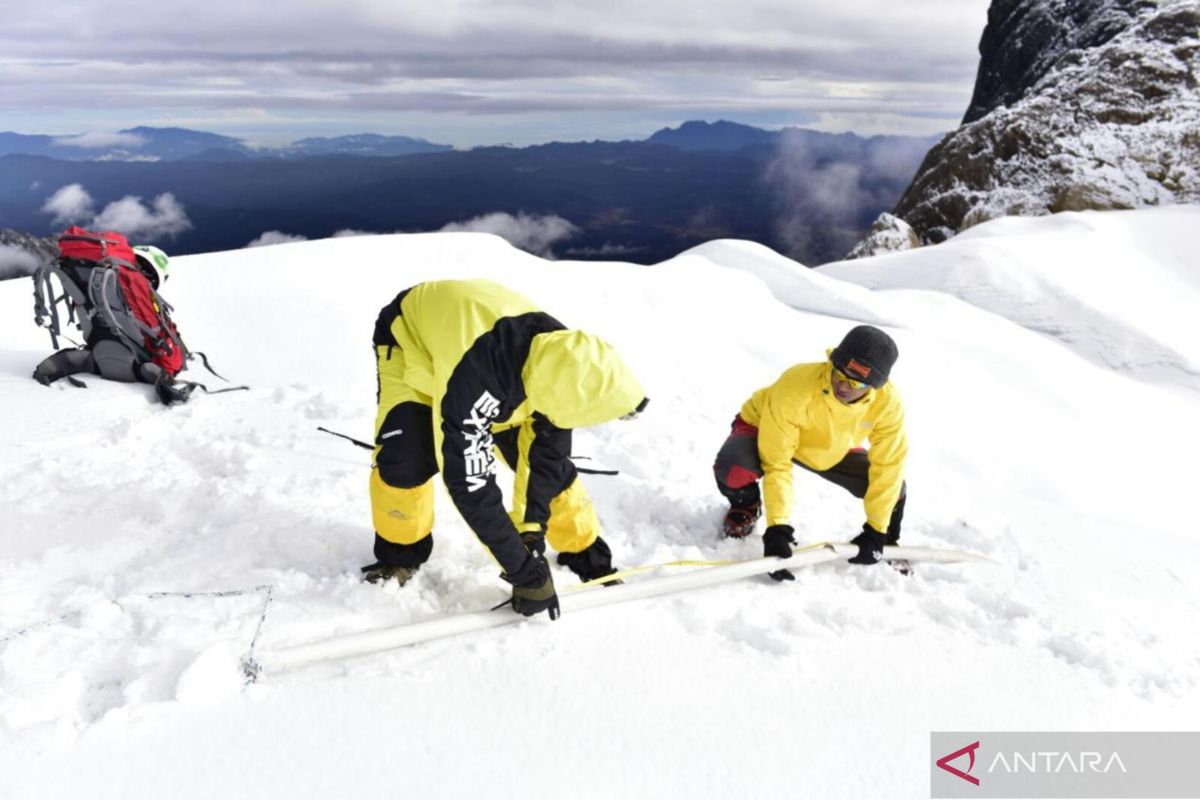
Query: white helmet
point(153, 262)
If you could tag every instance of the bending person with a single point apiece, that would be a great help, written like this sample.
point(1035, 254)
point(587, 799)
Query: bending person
point(469, 367)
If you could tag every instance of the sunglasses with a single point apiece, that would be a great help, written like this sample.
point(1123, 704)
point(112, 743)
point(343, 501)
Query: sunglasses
point(844, 378)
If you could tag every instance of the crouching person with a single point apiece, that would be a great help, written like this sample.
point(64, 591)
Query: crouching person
point(816, 416)
point(468, 369)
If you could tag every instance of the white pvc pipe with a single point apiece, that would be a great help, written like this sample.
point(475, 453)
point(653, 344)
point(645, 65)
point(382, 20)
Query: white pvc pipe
point(376, 641)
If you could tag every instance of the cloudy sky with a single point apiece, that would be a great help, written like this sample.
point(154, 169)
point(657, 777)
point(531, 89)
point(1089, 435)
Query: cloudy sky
point(469, 72)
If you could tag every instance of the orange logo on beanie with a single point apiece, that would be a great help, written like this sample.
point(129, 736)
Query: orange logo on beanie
point(854, 366)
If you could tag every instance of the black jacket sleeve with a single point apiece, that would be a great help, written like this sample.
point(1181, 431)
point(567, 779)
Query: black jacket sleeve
point(469, 467)
point(485, 387)
point(550, 468)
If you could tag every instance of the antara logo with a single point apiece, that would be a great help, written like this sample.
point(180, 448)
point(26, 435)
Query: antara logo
point(1053, 761)
point(969, 750)
point(1034, 761)
point(480, 464)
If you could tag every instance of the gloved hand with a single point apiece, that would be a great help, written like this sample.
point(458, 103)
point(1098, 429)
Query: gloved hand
point(778, 541)
point(533, 588)
point(535, 542)
point(870, 545)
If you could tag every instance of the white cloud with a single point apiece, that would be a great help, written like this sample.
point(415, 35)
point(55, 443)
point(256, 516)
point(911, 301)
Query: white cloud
point(125, 156)
point(16, 261)
point(478, 58)
point(347, 232)
point(276, 237)
point(810, 194)
point(95, 140)
point(70, 204)
point(165, 217)
point(531, 233)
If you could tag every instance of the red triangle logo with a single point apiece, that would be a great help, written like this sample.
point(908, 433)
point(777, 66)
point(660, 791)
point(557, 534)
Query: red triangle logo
point(969, 750)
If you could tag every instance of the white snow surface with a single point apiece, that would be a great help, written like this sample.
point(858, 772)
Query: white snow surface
point(1049, 368)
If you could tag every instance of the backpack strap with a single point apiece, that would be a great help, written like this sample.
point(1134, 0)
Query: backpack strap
point(102, 287)
point(206, 390)
point(207, 366)
point(169, 331)
point(191, 385)
point(43, 314)
point(72, 294)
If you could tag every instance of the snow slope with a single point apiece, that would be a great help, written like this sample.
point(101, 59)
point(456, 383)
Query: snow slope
point(1049, 371)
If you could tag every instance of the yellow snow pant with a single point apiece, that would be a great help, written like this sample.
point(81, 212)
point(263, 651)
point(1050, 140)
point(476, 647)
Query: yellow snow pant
point(405, 463)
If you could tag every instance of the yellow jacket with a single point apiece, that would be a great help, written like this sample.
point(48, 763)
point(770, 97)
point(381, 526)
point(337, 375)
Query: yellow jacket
point(487, 359)
point(573, 378)
point(799, 419)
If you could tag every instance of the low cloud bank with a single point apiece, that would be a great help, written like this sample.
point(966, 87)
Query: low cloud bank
point(268, 238)
point(164, 217)
point(16, 261)
point(529, 232)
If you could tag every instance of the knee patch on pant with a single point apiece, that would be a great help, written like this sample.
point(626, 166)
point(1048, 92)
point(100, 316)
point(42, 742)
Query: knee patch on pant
point(573, 524)
point(737, 467)
point(401, 515)
point(738, 477)
point(405, 457)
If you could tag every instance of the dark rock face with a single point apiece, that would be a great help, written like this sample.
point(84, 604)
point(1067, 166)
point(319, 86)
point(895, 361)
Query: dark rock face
point(1079, 104)
point(1024, 40)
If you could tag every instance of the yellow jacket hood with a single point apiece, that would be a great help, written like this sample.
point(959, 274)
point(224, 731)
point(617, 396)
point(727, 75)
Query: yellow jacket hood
point(576, 379)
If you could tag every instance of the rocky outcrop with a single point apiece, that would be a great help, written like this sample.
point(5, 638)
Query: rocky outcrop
point(1079, 104)
point(888, 234)
point(1023, 42)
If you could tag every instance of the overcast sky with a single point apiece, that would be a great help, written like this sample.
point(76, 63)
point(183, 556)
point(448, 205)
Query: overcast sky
point(469, 72)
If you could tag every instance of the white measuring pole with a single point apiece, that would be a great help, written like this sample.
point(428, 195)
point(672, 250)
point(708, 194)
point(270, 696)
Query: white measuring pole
point(377, 641)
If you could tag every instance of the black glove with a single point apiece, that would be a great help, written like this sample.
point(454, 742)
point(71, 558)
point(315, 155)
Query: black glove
point(533, 588)
point(778, 541)
point(870, 545)
point(535, 542)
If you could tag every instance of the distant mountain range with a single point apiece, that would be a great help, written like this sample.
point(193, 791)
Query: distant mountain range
point(176, 144)
point(808, 194)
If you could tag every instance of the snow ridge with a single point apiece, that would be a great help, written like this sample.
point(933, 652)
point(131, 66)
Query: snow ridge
point(137, 539)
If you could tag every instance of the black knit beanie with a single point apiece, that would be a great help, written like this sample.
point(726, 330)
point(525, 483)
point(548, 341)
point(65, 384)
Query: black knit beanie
point(866, 354)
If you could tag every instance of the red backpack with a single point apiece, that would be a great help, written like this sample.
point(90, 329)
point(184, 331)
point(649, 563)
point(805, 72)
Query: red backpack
point(104, 290)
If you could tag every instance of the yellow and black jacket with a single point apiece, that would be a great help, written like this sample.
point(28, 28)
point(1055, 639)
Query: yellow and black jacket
point(485, 359)
point(799, 419)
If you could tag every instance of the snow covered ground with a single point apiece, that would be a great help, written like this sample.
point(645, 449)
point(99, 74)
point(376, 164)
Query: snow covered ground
point(1051, 370)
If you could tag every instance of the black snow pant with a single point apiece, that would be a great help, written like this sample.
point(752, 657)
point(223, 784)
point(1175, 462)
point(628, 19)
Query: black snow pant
point(738, 470)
